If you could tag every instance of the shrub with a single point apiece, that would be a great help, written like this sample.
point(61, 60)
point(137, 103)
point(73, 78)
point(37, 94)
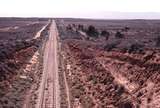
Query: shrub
point(135, 48)
point(91, 31)
point(74, 25)
point(120, 90)
point(110, 46)
point(105, 34)
point(126, 29)
point(125, 105)
point(158, 41)
point(81, 27)
point(69, 27)
point(119, 35)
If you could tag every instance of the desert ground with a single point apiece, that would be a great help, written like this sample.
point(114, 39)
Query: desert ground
point(111, 63)
point(79, 63)
point(21, 42)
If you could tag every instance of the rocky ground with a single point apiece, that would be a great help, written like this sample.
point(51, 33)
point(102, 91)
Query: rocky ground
point(114, 73)
point(20, 59)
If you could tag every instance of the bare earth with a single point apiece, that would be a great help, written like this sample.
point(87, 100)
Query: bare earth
point(77, 63)
point(110, 71)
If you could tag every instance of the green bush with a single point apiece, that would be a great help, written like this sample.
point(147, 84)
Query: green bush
point(92, 31)
point(119, 35)
point(105, 34)
point(135, 48)
point(110, 46)
point(158, 41)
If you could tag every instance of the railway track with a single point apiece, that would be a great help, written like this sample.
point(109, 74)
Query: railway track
point(49, 92)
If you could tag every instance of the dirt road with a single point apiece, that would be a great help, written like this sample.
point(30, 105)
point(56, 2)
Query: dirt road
point(56, 76)
point(49, 92)
point(39, 32)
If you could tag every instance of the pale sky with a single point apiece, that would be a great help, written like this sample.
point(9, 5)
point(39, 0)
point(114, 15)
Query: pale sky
point(81, 8)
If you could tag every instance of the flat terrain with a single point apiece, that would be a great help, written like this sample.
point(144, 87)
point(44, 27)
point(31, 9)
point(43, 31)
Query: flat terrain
point(118, 68)
point(21, 42)
point(77, 63)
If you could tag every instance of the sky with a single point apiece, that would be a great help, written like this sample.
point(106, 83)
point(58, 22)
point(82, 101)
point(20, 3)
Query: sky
point(105, 9)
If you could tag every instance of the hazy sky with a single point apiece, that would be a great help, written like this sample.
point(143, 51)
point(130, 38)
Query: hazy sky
point(81, 8)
